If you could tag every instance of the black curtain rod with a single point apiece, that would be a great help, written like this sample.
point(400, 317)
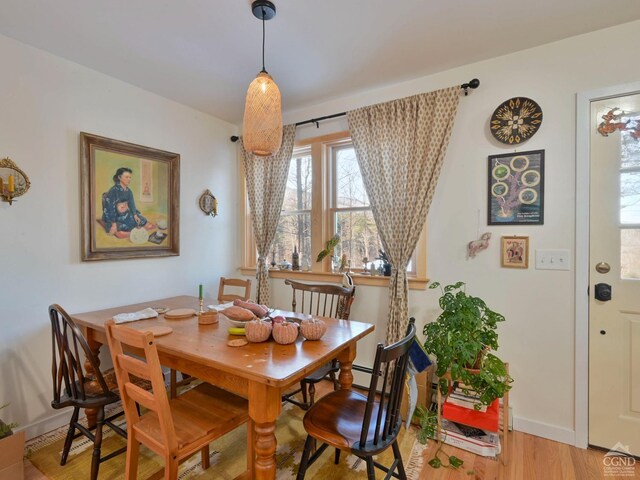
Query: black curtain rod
point(473, 84)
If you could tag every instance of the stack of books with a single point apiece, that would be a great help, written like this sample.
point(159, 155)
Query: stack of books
point(474, 440)
point(465, 397)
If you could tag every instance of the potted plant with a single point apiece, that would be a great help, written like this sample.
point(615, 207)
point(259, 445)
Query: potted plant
point(462, 339)
point(11, 451)
point(386, 264)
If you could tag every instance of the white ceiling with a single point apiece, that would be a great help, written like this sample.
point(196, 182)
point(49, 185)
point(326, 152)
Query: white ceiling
point(204, 53)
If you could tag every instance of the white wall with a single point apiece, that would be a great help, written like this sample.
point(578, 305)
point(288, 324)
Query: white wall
point(45, 102)
point(538, 336)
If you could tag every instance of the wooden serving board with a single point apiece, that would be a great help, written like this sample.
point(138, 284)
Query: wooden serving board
point(179, 313)
point(159, 330)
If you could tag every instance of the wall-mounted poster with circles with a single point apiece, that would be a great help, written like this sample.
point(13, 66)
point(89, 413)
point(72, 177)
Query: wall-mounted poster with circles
point(516, 188)
point(516, 120)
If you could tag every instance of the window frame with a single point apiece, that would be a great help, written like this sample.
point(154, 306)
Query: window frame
point(322, 220)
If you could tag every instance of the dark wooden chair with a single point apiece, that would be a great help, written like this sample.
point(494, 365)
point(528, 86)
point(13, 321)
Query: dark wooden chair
point(359, 424)
point(175, 429)
point(324, 300)
point(72, 387)
point(233, 282)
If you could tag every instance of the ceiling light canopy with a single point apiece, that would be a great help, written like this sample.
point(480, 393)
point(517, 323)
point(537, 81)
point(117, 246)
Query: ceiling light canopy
point(262, 125)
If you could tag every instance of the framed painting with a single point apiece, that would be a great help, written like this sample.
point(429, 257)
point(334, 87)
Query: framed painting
point(514, 252)
point(516, 188)
point(130, 200)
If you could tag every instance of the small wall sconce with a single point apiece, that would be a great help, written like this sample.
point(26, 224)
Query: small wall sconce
point(13, 181)
point(208, 203)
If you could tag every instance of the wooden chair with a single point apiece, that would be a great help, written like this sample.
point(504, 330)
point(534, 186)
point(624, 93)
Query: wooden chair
point(174, 429)
point(363, 425)
point(233, 282)
point(324, 300)
point(72, 387)
point(222, 298)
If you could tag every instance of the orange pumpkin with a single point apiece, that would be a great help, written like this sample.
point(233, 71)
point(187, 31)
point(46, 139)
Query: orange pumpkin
point(285, 332)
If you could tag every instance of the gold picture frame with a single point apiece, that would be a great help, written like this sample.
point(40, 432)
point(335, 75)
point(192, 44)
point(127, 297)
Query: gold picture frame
point(130, 200)
point(514, 252)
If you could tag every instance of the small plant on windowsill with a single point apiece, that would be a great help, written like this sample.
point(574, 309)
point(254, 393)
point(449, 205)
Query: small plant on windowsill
point(331, 244)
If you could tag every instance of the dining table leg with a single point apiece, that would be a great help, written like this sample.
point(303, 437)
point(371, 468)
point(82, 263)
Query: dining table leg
point(264, 408)
point(346, 358)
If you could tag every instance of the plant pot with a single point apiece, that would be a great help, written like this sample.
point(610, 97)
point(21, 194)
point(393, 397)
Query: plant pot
point(387, 269)
point(11, 453)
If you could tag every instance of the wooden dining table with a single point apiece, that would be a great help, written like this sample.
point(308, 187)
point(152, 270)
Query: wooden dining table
point(259, 372)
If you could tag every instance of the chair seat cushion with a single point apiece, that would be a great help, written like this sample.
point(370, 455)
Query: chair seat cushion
point(336, 419)
point(320, 373)
point(202, 411)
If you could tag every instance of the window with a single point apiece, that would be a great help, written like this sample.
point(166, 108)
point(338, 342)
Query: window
point(325, 195)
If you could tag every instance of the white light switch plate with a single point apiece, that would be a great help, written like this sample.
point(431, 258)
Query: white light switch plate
point(553, 260)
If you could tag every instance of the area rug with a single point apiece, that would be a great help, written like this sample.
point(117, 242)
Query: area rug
point(228, 456)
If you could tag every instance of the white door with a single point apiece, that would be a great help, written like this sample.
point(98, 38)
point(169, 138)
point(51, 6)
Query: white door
point(614, 325)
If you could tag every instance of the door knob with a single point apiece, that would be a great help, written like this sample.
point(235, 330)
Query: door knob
point(603, 292)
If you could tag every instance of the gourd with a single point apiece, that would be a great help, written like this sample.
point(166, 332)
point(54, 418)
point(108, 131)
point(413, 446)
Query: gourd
point(238, 314)
point(313, 329)
point(285, 332)
point(257, 330)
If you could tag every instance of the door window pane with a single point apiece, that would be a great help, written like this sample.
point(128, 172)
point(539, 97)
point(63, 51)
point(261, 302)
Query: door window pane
point(630, 153)
point(630, 198)
point(630, 253)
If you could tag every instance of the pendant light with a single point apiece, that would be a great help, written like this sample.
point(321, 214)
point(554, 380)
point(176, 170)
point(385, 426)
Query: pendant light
point(262, 125)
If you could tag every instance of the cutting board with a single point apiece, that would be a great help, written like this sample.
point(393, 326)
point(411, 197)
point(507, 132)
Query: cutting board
point(179, 313)
point(159, 330)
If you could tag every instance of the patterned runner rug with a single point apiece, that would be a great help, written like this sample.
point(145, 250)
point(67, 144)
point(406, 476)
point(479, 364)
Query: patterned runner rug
point(228, 456)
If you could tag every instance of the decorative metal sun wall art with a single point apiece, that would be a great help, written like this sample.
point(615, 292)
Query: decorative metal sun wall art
point(516, 120)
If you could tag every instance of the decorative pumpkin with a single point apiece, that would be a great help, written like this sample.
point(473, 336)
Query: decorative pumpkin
point(257, 330)
point(313, 329)
point(285, 332)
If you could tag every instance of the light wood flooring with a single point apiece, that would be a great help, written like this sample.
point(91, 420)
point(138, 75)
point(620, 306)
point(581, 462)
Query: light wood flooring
point(530, 458)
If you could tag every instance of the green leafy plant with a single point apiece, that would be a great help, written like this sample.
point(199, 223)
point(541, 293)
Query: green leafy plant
point(331, 244)
point(429, 429)
point(6, 429)
point(461, 340)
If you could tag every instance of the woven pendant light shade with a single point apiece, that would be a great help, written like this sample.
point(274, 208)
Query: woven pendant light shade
point(262, 125)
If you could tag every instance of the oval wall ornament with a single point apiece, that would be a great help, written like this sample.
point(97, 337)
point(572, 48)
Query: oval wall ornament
point(516, 120)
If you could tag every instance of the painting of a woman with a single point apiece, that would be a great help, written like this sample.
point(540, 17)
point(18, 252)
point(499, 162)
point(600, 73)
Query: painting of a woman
point(119, 212)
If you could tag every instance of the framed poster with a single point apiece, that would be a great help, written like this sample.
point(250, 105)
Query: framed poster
point(514, 252)
point(516, 188)
point(130, 200)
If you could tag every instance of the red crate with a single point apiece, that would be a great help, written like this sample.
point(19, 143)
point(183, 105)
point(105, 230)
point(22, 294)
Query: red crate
point(488, 420)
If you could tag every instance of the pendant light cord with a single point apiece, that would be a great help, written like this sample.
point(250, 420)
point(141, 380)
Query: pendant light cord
point(263, 37)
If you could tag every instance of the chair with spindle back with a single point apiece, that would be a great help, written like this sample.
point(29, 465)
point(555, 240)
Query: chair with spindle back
point(324, 300)
point(173, 428)
point(72, 387)
point(364, 425)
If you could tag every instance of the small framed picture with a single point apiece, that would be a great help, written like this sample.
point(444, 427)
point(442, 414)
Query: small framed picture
point(514, 252)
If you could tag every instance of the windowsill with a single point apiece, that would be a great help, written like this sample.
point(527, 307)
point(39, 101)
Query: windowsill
point(377, 281)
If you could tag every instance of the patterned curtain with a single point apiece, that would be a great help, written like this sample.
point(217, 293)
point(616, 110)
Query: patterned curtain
point(400, 146)
point(266, 181)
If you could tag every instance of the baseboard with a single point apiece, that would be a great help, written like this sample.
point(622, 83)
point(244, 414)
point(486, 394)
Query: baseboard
point(544, 430)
